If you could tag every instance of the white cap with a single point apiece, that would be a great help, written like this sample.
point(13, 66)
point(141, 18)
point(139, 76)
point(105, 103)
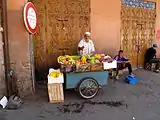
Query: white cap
point(87, 33)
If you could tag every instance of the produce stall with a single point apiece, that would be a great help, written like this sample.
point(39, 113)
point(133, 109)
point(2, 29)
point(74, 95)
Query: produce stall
point(85, 74)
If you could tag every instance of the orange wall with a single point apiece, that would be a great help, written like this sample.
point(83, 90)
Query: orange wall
point(105, 25)
point(19, 46)
point(158, 24)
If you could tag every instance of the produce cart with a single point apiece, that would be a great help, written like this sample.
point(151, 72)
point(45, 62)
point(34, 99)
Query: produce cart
point(87, 84)
point(85, 74)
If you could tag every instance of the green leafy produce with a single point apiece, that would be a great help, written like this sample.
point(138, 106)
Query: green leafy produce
point(92, 60)
point(75, 57)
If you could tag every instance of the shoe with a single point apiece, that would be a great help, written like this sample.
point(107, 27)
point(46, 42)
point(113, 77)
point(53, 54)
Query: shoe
point(157, 71)
point(117, 77)
point(132, 75)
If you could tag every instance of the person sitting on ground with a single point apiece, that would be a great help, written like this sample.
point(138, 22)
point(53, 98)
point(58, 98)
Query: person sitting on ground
point(151, 57)
point(122, 62)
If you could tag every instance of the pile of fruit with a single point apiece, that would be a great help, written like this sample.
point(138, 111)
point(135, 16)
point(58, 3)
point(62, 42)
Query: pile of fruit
point(70, 60)
point(97, 58)
point(80, 63)
point(55, 74)
point(67, 60)
point(89, 59)
point(82, 60)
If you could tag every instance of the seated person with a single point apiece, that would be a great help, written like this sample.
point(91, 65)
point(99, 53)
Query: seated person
point(122, 62)
point(151, 57)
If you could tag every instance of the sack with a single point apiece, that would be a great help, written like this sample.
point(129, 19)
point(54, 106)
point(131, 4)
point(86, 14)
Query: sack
point(131, 79)
point(14, 103)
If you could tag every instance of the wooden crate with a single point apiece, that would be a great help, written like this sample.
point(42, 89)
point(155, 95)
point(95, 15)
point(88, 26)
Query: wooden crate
point(96, 67)
point(55, 92)
point(67, 68)
point(83, 68)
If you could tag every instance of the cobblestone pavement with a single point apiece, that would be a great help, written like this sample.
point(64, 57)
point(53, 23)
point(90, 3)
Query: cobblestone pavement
point(142, 103)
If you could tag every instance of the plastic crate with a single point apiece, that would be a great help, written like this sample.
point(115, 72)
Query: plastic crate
point(130, 79)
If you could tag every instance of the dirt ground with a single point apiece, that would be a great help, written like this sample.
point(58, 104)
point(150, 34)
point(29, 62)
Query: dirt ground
point(117, 101)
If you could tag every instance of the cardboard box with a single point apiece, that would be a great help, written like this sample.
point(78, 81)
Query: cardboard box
point(59, 79)
point(111, 65)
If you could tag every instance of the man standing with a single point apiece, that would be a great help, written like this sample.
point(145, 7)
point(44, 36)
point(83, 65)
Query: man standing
point(151, 57)
point(86, 46)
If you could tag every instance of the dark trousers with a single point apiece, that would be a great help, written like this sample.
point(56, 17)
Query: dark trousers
point(157, 61)
point(121, 66)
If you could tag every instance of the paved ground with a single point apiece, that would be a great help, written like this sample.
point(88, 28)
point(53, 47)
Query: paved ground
point(142, 102)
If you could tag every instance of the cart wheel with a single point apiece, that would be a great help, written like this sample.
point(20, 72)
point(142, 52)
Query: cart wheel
point(88, 88)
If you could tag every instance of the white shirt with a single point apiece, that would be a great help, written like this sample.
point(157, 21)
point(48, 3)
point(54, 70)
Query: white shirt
point(88, 47)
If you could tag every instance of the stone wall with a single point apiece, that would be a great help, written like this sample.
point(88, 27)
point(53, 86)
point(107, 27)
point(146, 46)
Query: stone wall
point(2, 71)
point(19, 46)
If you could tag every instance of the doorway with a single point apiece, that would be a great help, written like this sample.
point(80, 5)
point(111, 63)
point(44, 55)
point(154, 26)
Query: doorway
point(138, 20)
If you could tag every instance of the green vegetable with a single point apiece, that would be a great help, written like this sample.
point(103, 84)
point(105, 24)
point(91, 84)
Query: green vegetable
point(92, 60)
point(75, 57)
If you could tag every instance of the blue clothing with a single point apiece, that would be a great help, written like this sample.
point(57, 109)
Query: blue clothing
point(120, 59)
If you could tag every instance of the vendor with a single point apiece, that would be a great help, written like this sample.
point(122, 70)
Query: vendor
point(86, 46)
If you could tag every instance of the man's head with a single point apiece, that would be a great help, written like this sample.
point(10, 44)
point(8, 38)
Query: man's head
point(87, 36)
point(155, 46)
point(120, 53)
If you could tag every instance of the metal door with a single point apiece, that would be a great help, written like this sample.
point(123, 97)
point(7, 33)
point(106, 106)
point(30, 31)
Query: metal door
point(61, 24)
point(137, 30)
